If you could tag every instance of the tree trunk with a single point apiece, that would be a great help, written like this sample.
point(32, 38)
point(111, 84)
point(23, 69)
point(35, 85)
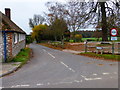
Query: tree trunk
point(104, 22)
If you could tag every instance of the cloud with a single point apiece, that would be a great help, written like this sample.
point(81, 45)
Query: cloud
point(3, 1)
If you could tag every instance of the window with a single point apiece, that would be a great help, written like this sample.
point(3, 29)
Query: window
point(21, 37)
point(15, 38)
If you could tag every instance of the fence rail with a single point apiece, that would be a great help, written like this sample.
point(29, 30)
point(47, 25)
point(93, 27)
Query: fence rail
point(102, 47)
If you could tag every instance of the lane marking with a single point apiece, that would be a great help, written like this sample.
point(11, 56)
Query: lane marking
point(40, 84)
point(51, 55)
point(20, 86)
point(115, 73)
point(25, 85)
point(15, 86)
point(77, 81)
point(64, 64)
point(71, 69)
point(67, 67)
point(105, 73)
point(95, 74)
point(91, 78)
point(44, 50)
point(1, 88)
point(48, 53)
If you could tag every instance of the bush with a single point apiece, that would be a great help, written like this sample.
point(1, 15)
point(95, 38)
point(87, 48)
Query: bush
point(29, 39)
point(78, 37)
point(71, 41)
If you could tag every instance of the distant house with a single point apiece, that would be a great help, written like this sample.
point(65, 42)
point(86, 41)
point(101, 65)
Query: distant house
point(12, 37)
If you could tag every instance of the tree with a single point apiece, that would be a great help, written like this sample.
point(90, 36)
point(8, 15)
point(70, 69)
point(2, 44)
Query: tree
point(102, 10)
point(74, 13)
point(36, 20)
point(59, 27)
point(38, 31)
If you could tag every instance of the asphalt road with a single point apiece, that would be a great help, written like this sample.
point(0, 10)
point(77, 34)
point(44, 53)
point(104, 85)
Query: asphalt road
point(49, 68)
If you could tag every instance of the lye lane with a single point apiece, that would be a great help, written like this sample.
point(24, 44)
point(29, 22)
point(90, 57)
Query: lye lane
point(49, 68)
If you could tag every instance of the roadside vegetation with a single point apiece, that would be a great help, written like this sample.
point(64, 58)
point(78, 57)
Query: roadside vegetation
point(23, 56)
point(102, 56)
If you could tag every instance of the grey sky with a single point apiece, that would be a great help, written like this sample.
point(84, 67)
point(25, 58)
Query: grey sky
point(22, 10)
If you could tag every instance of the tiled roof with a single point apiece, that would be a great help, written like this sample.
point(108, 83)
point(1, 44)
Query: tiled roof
point(8, 25)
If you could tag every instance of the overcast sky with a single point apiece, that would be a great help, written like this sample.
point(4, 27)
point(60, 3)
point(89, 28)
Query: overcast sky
point(22, 10)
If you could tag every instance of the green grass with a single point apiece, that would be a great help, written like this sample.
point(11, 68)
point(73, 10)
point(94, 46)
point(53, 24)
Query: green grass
point(102, 56)
point(23, 56)
point(95, 39)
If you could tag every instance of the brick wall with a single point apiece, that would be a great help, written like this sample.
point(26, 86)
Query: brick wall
point(1, 47)
point(13, 48)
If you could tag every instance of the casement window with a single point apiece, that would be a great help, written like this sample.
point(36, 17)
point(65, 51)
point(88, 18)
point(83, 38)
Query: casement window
point(15, 38)
point(21, 37)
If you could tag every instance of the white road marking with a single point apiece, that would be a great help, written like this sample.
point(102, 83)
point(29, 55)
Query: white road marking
point(77, 81)
point(115, 73)
point(48, 53)
point(91, 78)
point(71, 69)
point(105, 73)
point(64, 64)
point(67, 67)
point(95, 74)
point(48, 83)
point(20, 86)
point(25, 85)
point(51, 55)
point(15, 86)
point(44, 50)
point(1, 88)
point(40, 84)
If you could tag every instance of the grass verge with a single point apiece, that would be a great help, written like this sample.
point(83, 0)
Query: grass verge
point(51, 46)
point(23, 56)
point(102, 56)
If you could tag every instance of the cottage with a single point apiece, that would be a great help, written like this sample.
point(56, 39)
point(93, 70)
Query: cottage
point(12, 37)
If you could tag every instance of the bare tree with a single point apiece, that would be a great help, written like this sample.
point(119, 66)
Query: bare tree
point(74, 12)
point(36, 20)
point(100, 11)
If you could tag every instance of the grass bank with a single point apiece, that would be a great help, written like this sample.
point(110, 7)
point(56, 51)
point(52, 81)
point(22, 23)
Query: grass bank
point(23, 56)
point(102, 56)
point(58, 47)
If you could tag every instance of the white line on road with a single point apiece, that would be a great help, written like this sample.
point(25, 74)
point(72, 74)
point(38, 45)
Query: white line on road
point(115, 73)
point(67, 66)
point(40, 84)
point(71, 69)
point(64, 64)
point(105, 73)
point(48, 53)
point(91, 78)
point(20, 86)
point(95, 74)
point(51, 55)
point(44, 50)
point(77, 81)
point(1, 88)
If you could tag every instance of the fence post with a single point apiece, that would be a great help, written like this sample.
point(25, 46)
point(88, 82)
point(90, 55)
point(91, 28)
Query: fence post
point(85, 46)
point(113, 48)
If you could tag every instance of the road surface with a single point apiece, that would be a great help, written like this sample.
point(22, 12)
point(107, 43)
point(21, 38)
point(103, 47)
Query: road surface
point(49, 68)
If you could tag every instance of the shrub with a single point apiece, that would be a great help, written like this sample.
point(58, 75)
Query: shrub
point(71, 41)
point(78, 37)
